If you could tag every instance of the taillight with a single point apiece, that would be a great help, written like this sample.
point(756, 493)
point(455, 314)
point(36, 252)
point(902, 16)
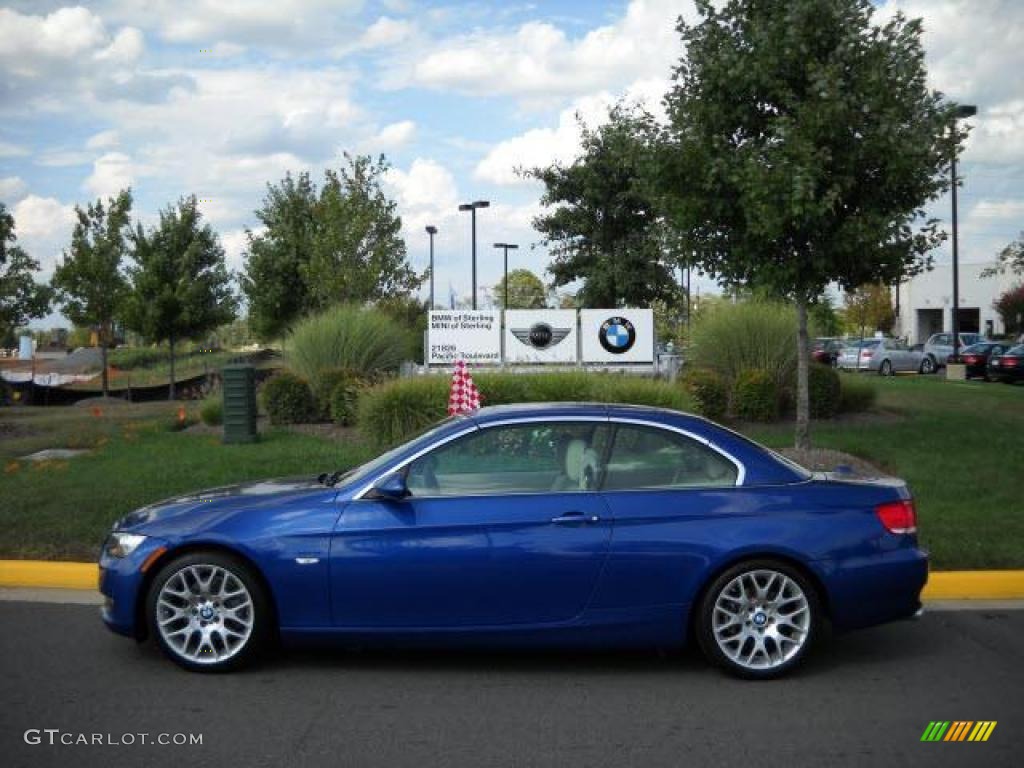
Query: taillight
point(898, 516)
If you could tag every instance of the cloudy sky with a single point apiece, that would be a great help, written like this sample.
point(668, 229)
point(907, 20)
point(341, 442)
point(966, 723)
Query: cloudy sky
point(217, 97)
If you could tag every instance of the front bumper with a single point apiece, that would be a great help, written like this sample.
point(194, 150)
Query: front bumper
point(120, 582)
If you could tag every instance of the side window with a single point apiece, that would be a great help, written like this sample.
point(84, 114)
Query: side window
point(647, 457)
point(520, 458)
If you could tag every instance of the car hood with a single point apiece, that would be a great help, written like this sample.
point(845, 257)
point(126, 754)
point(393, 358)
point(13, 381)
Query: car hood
point(194, 510)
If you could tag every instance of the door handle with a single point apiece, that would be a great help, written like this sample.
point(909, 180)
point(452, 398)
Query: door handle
point(570, 518)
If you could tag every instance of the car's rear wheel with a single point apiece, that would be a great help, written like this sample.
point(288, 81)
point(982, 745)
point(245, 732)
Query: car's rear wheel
point(208, 612)
point(758, 619)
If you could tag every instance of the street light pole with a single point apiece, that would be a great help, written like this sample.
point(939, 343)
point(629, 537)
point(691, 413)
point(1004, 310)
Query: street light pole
point(471, 207)
point(962, 111)
point(431, 230)
point(506, 247)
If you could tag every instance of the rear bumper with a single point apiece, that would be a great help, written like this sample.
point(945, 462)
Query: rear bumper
point(877, 589)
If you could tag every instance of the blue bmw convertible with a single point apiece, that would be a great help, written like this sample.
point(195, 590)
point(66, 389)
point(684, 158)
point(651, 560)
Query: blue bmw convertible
point(526, 526)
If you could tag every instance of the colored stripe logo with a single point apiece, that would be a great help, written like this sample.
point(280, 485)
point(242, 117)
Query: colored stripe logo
point(958, 730)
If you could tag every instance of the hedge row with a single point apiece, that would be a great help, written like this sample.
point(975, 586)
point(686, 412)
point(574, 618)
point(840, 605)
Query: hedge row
point(392, 411)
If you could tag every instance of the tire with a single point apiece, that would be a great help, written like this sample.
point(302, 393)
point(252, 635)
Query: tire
point(209, 612)
point(927, 365)
point(754, 627)
point(885, 369)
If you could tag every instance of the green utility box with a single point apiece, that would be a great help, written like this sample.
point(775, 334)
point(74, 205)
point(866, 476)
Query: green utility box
point(239, 404)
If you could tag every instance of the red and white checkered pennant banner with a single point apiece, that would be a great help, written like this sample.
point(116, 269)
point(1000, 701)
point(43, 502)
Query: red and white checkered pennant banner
point(464, 396)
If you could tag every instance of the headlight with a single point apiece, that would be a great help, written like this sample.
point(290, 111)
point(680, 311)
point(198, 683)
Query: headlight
point(122, 544)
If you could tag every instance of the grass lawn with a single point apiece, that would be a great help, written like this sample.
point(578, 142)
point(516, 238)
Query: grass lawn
point(958, 445)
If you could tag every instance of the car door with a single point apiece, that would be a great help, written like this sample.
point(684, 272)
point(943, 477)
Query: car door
point(900, 355)
point(675, 501)
point(502, 527)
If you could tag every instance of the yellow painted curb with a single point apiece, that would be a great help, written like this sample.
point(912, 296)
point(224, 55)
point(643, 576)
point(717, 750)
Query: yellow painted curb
point(942, 585)
point(45, 573)
point(968, 585)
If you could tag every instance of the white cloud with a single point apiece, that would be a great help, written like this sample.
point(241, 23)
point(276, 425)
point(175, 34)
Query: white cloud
point(8, 149)
point(427, 187)
point(394, 135)
point(126, 47)
point(540, 147)
point(539, 61)
point(43, 226)
point(27, 42)
point(111, 173)
point(11, 188)
point(386, 32)
point(235, 243)
point(103, 140)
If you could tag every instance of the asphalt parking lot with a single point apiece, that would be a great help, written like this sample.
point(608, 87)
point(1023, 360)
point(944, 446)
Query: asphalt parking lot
point(864, 699)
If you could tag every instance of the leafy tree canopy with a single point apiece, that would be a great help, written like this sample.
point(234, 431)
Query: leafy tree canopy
point(1010, 258)
point(803, 144)
point(602, 225)
point(868, 308)
point(89, 283)
point(21, 297)
point(181, 287)
point(340, 243)
point(525, 291)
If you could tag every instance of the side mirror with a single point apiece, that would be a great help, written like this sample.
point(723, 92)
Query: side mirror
point(391, 487)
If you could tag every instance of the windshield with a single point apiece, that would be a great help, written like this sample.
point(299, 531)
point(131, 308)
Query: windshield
point(362, 471)
point(865, 344)
point(1019, 350)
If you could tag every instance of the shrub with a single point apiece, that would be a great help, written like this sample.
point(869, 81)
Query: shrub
point(750, 335)
point(344, 401)
point(211, 411)
point(823, 391)
point(631, 390)
point(709, 392)
point(328, 382)
point(363, 341)
point(390, 412)
point(855, 394)
point(755, 396)
point(288, 399)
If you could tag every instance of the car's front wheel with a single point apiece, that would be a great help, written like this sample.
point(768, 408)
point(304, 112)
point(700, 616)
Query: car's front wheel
point(758, 619)
point(927, 365)
point(885, 369)
point(208, 611)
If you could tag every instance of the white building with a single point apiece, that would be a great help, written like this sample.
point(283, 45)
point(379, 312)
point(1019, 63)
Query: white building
point(925, 303)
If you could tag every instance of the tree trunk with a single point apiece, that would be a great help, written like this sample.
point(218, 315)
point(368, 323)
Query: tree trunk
point(170, 392)
point(803, 403)
point(103, 361)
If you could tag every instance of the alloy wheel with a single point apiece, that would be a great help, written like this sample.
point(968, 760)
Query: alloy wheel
point(761, 619)
point(204, 613)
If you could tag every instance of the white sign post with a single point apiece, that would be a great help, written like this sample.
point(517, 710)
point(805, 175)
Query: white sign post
point(463, 334)
point(541, 336)
point(617, 335)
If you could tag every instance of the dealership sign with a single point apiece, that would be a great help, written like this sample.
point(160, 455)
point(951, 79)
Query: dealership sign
point(541, 336)
point(462, 334)
point(617, 335)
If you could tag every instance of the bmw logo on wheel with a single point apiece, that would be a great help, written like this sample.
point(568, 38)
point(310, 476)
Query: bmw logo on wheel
point(617, 335)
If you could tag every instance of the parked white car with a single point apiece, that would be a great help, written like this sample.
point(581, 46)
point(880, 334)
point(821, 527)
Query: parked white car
point(882, 356)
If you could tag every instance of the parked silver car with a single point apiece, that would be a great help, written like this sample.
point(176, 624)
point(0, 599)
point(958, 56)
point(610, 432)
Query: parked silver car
point(882, 356)
point(940, 346)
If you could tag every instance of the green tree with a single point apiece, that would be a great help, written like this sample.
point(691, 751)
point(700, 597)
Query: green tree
point(869, 308)
point(1010, 258)
point(338, 244)
point(1010, 307)
point(273, 279)
point(803, 143)
point(21, 297)
point(358, 252)
point(180, 285)
point(824, 318)
point(89, 283)
point(525, 291)
point(602, 226)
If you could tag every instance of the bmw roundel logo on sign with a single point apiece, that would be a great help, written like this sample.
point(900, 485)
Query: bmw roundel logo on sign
point(617, 335)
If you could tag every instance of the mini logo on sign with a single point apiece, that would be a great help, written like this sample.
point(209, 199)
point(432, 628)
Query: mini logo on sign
point(540, 335)
point(617, 335)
